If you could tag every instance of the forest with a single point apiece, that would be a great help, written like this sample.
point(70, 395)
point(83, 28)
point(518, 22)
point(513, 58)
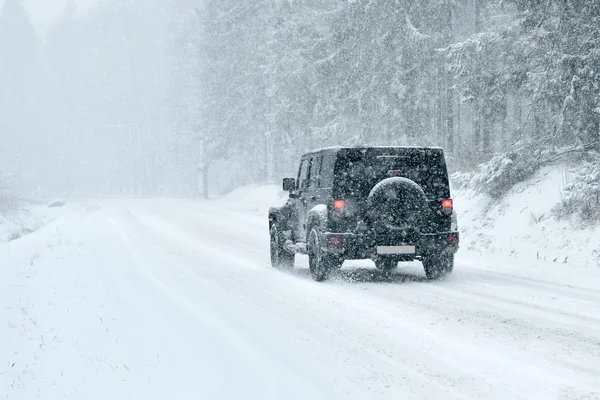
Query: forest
point(192, 97)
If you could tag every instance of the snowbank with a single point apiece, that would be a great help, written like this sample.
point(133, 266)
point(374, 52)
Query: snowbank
point(18, 223)
point(524, 221)
point(21, 218)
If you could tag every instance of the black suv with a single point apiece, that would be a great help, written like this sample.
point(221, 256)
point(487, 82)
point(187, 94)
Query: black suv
point(388, 204)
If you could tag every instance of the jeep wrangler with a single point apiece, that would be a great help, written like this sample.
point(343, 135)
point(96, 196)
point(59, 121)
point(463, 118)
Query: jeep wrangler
point(387, 204)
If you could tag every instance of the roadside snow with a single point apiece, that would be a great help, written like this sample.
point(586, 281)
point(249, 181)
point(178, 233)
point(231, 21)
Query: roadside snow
point(522, 222)
point(22, 219)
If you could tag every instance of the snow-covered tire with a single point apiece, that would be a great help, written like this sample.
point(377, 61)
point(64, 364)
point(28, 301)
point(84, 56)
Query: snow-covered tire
point(386, 264)
point(396, 204)
point(280, 257)
point(438, 266)
point(320, 264)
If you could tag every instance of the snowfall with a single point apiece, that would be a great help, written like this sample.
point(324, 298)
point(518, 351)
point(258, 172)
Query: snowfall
point(175, 299)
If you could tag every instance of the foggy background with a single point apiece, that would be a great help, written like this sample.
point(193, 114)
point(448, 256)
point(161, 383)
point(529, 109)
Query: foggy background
point(85, 100)
point(156, 97)
point(43, 13)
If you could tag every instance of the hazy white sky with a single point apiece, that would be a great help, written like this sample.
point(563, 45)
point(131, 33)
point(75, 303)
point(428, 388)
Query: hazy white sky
point(44, 12)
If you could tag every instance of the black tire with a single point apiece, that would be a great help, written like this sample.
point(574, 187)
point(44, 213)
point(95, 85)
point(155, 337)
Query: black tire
point(280, 257)
point(386, 264)
point(320, 264)
point(396, 208)
point(438, 266)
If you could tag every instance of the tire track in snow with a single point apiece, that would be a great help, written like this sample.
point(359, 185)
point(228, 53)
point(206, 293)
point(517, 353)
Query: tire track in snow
point(209, 307)
point(378, 356)
point(522, 367)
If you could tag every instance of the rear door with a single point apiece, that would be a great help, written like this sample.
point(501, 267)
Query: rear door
point(359, 170)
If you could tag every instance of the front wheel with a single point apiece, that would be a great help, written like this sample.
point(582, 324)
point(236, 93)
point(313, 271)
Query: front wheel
point(280, 257)
point(438, 266)
point(320, 264)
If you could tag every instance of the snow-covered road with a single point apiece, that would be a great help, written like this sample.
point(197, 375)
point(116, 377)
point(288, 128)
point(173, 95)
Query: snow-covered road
point(175, 299)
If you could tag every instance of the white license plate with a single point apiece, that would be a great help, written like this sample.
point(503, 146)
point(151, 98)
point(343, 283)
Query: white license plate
point(396, 249)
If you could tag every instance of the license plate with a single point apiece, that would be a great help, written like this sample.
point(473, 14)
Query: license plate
point(396, 249)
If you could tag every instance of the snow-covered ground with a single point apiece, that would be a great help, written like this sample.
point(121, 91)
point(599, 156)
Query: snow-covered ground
point(523, 224)
point(175, 299)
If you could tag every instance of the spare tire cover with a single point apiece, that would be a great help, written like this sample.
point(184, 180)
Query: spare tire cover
point(396, 204)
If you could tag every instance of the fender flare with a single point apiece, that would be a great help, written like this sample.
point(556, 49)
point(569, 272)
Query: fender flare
point(316, 217)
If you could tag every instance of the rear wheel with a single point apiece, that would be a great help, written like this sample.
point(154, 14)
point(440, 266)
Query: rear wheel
point(280, 257)
point(320, 264)
point(385, 264)
point(438, 266)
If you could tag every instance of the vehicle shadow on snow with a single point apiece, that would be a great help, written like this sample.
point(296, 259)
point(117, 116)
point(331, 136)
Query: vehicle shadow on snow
point(366, 275)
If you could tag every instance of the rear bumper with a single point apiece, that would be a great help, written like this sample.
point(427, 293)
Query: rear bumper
point(352, 246)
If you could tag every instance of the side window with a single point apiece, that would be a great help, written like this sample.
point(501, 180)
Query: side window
point(326, 171)
point(303, 175)
point(315, 166)
point(310, 165)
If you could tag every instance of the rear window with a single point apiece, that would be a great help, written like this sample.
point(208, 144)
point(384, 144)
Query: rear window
point(357, 171)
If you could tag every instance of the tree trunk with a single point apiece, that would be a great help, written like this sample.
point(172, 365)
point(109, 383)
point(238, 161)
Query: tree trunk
point(477, 16)
point(538, 124)
point(458, 123)
point(487, 130)
point(517, 113)
point(504, 123)
point(477, 109)
point(205, 182)
point(477, 128)
point(448, 82)
point(440, 107)
point(450, 115)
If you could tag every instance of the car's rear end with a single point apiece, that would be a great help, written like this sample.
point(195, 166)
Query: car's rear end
point(391, 202)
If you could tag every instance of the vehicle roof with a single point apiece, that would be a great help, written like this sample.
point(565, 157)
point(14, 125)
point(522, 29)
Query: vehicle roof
point(333, 149)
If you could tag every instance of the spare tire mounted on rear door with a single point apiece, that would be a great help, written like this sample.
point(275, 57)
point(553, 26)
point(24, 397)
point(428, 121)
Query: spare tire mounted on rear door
point(396, 207)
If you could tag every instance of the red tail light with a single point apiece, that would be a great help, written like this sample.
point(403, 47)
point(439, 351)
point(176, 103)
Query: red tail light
point(339, 204)
point(335, 240)
point(447, 203)
point(452, 238)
